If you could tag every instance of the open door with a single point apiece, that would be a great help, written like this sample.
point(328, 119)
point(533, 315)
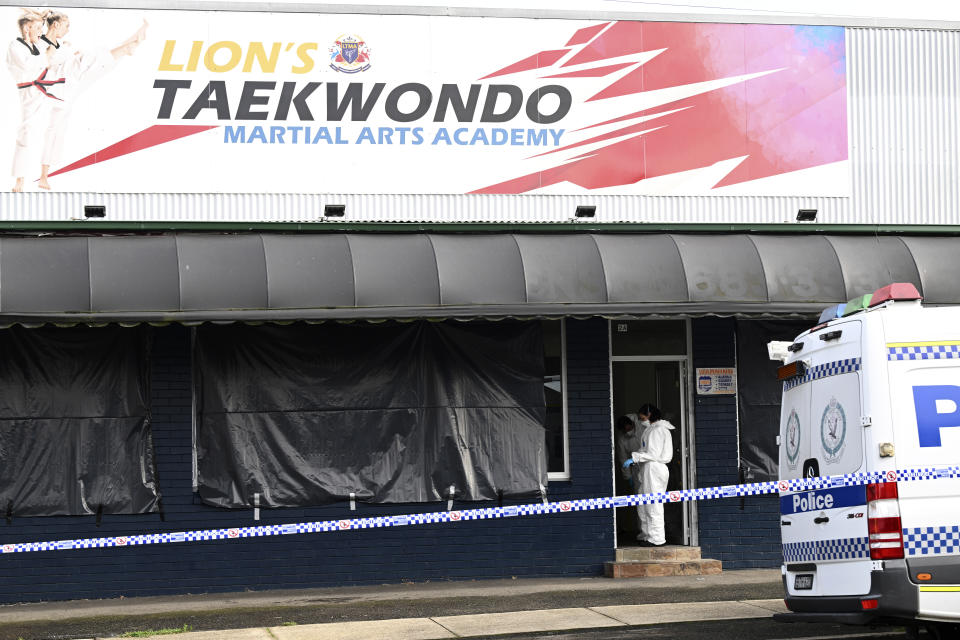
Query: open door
point(636, 381)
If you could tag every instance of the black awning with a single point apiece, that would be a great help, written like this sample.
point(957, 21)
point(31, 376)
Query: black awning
point(192, 277)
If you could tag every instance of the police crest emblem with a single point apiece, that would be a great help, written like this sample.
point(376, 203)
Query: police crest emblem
point(833, 430)
point(349, 54)
point(793, 439)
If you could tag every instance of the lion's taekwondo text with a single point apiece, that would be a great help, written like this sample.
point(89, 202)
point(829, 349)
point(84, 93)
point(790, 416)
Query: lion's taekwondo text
point(315, 112)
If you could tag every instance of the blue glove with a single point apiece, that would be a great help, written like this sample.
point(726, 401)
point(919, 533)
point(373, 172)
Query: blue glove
point(628, 462)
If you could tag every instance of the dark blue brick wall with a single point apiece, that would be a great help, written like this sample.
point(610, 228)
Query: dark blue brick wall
point(742, 533)
point(554, 545)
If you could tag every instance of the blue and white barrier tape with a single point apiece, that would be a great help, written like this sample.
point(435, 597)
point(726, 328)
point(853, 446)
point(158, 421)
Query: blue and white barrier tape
point(566, 506)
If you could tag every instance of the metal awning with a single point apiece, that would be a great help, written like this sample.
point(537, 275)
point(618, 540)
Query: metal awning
point(251, 277)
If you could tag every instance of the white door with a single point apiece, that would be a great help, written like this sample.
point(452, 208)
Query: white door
point(825, 531)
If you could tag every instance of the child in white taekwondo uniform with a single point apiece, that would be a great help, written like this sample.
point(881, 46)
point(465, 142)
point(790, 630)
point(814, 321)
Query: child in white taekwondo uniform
point(79, 69)
point(28, 64)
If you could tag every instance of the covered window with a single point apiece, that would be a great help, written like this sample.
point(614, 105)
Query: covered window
point(758, 398)
point(384, 413)
point(75, 422)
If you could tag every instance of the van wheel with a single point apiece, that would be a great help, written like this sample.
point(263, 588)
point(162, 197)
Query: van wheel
point(942, 630)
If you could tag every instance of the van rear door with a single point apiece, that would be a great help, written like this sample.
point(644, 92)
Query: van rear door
point(824, 532)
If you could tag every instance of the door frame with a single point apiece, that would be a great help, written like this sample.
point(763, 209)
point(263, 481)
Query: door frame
point(691, 535)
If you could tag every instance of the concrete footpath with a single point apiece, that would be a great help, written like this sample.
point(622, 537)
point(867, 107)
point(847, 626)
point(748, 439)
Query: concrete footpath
point(420, 611)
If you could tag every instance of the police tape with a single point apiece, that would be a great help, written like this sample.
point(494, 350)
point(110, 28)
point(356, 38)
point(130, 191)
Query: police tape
point(488, 513)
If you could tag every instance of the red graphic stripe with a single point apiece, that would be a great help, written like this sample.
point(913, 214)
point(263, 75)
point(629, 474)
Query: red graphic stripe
point(687, 44)
point(655, 111)
point(591, 172)
point(621, 39)
point(636, 128)
point(593, 72)
point(149, 137)
point(536, 61)
point(583, 36)
point(776, 123)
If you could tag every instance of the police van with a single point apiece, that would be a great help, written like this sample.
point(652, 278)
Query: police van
point(874, 387)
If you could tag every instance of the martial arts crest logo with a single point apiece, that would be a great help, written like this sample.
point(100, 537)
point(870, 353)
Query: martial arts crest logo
point(793, 439)
point(833, 430)
point(349, 54)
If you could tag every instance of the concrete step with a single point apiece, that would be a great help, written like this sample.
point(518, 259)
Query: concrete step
point(656, 554)
point(663, 568)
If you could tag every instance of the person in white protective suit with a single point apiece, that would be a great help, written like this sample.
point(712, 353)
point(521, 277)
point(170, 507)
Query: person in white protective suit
point(656, 450)
point(78, 69)
point(28, 64)
point(627, 436)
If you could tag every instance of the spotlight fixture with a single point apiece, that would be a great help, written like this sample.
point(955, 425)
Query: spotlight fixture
point(806, 215)
point(334, 210)
point(586, 211)
point(94, 211)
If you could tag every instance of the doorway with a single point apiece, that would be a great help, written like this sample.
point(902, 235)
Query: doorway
point(659, 379)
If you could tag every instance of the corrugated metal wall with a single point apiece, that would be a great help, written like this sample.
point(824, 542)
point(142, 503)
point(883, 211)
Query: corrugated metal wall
point(904, 105)
point(904, 101)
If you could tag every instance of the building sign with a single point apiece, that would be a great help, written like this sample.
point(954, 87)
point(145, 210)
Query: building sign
point(717, 381)
point(247, 102)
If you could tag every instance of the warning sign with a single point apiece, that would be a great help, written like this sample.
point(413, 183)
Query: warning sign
point(717, 381)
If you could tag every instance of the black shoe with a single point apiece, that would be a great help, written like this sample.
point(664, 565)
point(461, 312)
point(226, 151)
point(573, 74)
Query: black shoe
point(647, 543)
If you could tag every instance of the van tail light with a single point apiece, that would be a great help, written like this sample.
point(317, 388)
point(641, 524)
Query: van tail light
point(795, 369)
point(883, 521)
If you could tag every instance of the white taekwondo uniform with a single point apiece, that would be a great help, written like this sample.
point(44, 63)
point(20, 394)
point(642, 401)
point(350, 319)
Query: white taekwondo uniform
point(79, 69)
point(38, 88)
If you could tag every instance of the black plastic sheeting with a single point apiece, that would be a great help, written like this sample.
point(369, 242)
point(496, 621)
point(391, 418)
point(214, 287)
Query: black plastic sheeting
point(75, 433)
point(759, 394)
point(392, 413)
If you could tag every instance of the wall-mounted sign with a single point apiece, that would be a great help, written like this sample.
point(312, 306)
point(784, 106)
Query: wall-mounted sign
point(716, 381)
point(116, 100)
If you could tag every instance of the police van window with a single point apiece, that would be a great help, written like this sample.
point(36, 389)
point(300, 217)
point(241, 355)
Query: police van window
point(649, 337)
point(554, 389)
point(795, 429)
point(836, 436)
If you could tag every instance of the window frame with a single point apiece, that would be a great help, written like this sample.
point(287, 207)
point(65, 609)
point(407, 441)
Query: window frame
point(555, 476)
